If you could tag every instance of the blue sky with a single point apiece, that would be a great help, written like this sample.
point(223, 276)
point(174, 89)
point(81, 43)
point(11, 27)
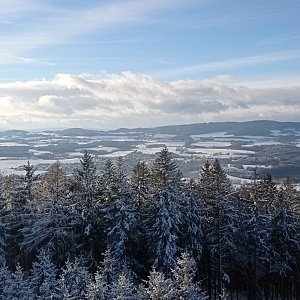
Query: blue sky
point(219, 57)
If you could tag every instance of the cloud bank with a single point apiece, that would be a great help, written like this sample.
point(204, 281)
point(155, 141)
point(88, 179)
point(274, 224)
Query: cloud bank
point(138, 100)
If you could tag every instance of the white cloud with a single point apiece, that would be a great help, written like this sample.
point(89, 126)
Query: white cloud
point(133, 100)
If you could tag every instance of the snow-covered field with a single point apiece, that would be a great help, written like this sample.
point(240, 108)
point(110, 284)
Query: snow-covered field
point(261, 143)
point(216, 144)
point(211, 135)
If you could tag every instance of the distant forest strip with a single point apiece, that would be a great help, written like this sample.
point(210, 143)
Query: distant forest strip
point(150, 234)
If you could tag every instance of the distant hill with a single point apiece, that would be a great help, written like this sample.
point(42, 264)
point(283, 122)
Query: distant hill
point(251, 128)
point(13, 133)
point(78, 132)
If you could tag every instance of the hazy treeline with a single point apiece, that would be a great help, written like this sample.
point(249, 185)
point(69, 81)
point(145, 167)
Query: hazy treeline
point(150, 234)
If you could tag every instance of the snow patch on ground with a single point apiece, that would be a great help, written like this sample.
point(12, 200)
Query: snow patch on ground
point(116, 154)
point(212, 144)
point(38, 152)
point(246, 167)
point(12, 144)
point(220, 151)
point(262, 143)
point(211, 135)
point(101, 148)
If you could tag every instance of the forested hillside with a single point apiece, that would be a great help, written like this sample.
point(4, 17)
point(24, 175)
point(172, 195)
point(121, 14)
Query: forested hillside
point(149, 234)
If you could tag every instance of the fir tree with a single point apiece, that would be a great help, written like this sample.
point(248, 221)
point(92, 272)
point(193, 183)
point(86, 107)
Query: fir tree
point(5, 276)
point(17, 286)
point(49, 219)
point(74, 280)
point(2, 231)
point(43, 278)
point(98, 288)
point(140, 186)
point(220, 223)
point(284, 237)
point(165, 212)
point(118, 213)
point(192, 220)
point(86, 181)
point(123, 289)
point(255, 238)
point(14, 208)
point(158, 287)
point(184, 275)
point(85, 193)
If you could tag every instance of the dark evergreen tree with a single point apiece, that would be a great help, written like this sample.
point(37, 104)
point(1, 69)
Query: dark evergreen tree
point(15, 204)
point(86, 182)
point(184, 275)
point(158, 287)
point(283, 244)
point(49, 220)
point(5, 276)
point(267, 193)
point(140, 186)
point(74, 280)
point(165, 212)
point(85, 193)
point(117, 210)
point(28, 181)
point(98, 288)
point(254, 239)
point(43, 277)
point(220, 225)
point(192, 220)
point(2, 231)
point(17, 286)
point(124, 289)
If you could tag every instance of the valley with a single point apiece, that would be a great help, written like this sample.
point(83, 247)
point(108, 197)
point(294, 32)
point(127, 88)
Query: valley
point(267, 146)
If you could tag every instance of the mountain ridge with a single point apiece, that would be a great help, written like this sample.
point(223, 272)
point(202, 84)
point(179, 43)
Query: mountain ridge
point(254, 127)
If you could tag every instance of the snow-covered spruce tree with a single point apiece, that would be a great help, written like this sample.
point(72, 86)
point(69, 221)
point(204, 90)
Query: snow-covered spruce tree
point(104, 277)
point(74, 280)
point(164, 219)
point(17, 286)
point(98, 288)
point(184, 275)
point(5, 275)
point(43, 277)
point(284, 244)
point(13, 218)
point(220, 224)
point(3, 212)
point(140, 186)
point(124, 289)
point(49, 220)
point(2, 231)
point(28, 181)
point(109, 268)
point(267, 193)
point(254, 239)
point(158, 287)
point(117, 210)
point(292, 193)
point(86, 181)
point(85, 188)
point(192, 220)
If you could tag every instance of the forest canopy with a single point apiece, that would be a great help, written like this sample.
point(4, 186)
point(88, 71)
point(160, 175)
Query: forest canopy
point(149, 234)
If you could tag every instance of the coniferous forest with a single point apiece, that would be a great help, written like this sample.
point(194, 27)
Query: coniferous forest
point(147, 234)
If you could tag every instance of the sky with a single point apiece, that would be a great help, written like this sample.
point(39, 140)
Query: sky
point(107, 64)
